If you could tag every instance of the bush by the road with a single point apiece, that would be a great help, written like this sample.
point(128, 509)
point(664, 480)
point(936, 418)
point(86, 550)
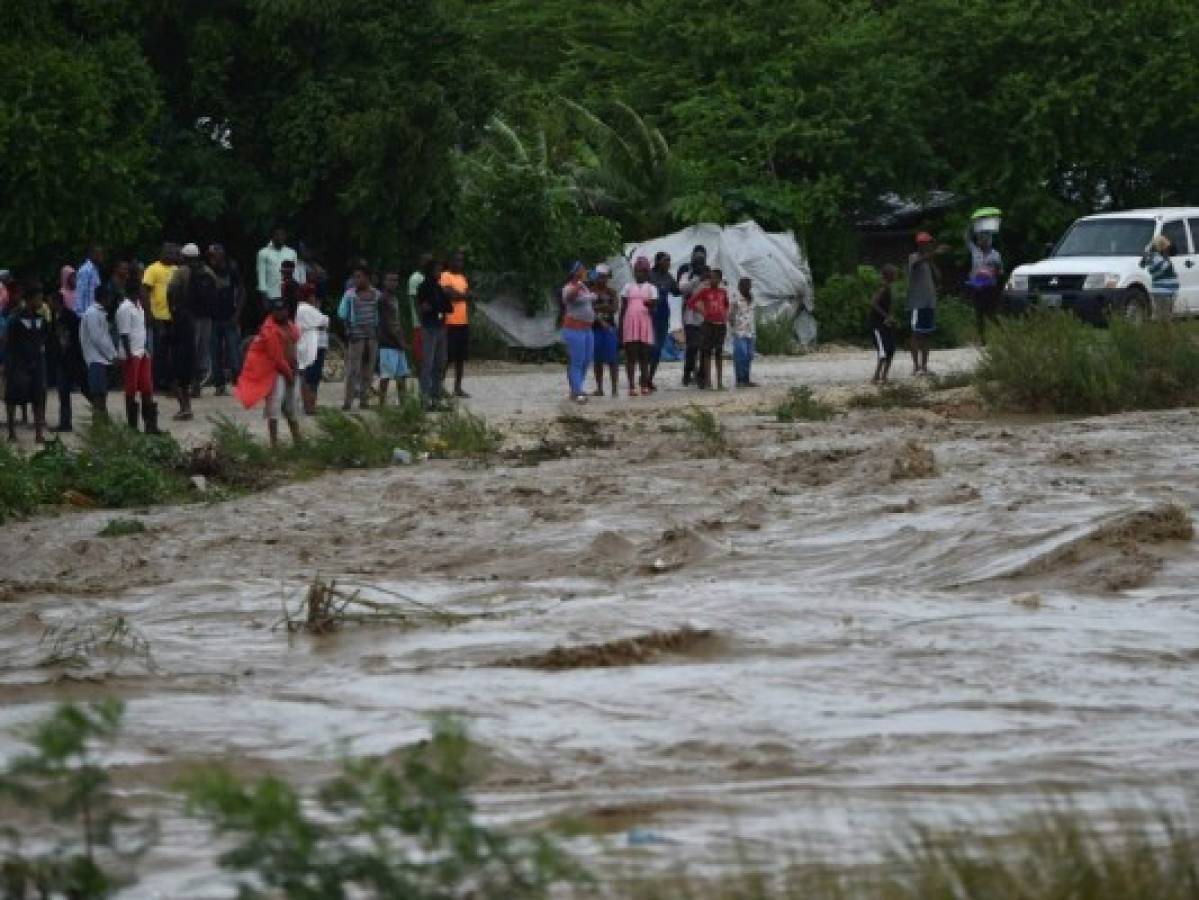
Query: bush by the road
point(1052, 362)
point(843, 311)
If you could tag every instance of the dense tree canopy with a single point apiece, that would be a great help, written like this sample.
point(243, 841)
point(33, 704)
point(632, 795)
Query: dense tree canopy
point(362, 123)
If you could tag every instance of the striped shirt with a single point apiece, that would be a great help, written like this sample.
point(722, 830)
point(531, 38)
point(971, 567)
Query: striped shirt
point(1161, 271)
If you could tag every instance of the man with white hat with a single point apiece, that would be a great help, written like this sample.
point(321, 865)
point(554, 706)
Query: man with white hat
point(192, 291)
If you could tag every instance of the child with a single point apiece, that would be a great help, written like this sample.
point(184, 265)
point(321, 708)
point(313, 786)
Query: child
point(312, 347)
point(137, 362)
point(714, 301)
point(638, 300)
point(882, 325)
point(269, 372)
point(393, 358)
point(25, 361)
point(745, 332)
point(607, 345)
point(64, 357)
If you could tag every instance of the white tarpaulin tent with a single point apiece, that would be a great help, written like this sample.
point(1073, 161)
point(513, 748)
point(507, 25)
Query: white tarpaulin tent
point(780, 272)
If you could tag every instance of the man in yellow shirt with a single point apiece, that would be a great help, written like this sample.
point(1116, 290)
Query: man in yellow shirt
point(154, 298)
point(457, 323)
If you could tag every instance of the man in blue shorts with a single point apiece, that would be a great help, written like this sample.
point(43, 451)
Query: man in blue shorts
point(922, 298)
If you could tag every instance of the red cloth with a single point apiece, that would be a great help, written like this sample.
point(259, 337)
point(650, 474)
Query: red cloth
point(713, 303)
point(137, 377)
point(272, 353)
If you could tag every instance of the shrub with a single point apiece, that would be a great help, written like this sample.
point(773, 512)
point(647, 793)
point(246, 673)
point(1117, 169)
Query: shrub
point(1052, 362)
point(19, 491)
point(955, 323)
point(62, 780)
point(122, 528)
point(843, 305)
point(379, 830)
point(706, 430)
point(801, 406)
point(776, 337)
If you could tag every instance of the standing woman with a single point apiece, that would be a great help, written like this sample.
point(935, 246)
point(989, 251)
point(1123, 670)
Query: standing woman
point(638, 300)
point(1164, 278)
point(666, 285)
point(25, 361)
point(578, 319)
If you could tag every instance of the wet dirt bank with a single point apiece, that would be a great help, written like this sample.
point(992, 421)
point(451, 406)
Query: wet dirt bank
point(889, 616)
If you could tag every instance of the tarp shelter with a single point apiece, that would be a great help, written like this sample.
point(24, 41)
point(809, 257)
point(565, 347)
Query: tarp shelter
point(780, 272)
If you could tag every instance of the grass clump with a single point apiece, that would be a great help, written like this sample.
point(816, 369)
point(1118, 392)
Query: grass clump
point(463, 435)
point(706, 430)
point(1052, 362)
point(801, 405)
point(121, 528)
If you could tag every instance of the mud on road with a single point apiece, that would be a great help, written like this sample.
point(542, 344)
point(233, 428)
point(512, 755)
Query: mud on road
point(825, 629)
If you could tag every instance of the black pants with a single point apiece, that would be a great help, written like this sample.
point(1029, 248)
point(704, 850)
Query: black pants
point(986, 306)
point(695, 343)
point(161, 361)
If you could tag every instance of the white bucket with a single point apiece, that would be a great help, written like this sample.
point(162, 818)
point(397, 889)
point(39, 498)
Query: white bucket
point(987, 224)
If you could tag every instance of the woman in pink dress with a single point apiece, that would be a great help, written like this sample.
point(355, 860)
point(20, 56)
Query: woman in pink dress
point(637, 301)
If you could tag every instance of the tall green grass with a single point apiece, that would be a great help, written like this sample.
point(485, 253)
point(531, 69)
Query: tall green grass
point(1059, 856)
point(1052, 362)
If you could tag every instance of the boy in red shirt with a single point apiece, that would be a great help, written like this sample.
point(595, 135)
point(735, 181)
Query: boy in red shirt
point(713, 301)
point(269, 372)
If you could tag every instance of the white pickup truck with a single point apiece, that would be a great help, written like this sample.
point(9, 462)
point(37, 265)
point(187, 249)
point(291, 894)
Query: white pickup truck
point(1095, 269)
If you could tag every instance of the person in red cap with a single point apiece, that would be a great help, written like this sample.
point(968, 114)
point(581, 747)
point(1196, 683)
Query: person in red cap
point(922, 298)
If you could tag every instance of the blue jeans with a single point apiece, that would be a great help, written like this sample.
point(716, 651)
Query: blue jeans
point(225, 352)
point(580, 348)
point(743, 357)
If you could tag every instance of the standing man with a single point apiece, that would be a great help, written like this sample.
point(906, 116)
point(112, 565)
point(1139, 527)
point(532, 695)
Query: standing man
point(692, 277)
point(192, 288)
point(922, 298)
point(457, 323)
point(87, 279)
point(270, 267)
point(226, 340)
point(155, 281)
point(393, 357)
point(99, 352)
point(290, 287)
point(64, 355)
point(359, 310)
point(434, 307)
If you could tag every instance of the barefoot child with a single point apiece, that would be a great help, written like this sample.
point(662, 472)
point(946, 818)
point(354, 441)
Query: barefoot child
point(882, 325)
point(638, 299)
point(607, 344)
point(715, 302)
point(269, 372)
point(312, 347)
point(393, 349)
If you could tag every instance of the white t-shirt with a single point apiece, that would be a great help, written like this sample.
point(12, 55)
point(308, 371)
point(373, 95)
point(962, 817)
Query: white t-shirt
point(314, 334)
point(131, 323)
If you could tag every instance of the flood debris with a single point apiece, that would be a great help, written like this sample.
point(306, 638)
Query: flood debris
point(326, 608)
point(78, 644)
point(914, 460)
point(645, 648)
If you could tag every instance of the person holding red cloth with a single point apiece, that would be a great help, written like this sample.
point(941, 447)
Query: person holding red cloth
point(269, 371)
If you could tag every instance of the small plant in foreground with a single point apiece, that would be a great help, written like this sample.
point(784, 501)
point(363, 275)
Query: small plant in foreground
point(380, 829)
point(461, 434)
point(951, 380)
point(776, 337)
point(122, 527)
point(706, 429)
point(62, 780)
point(800, 405)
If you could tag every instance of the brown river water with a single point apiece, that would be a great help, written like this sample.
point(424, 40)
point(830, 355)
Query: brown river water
point(915, 618)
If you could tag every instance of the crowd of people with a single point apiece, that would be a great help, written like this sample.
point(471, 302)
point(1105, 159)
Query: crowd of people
point(597, 324)
point(180, 324)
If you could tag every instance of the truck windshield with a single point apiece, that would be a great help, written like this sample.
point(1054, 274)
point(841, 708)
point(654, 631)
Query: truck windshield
point(1107, 237)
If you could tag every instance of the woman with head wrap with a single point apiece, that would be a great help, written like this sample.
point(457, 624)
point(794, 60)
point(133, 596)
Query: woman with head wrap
point(578, 303)
point(638, 300)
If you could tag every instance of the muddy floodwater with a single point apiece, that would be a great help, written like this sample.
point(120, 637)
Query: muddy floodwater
point(894, 616)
